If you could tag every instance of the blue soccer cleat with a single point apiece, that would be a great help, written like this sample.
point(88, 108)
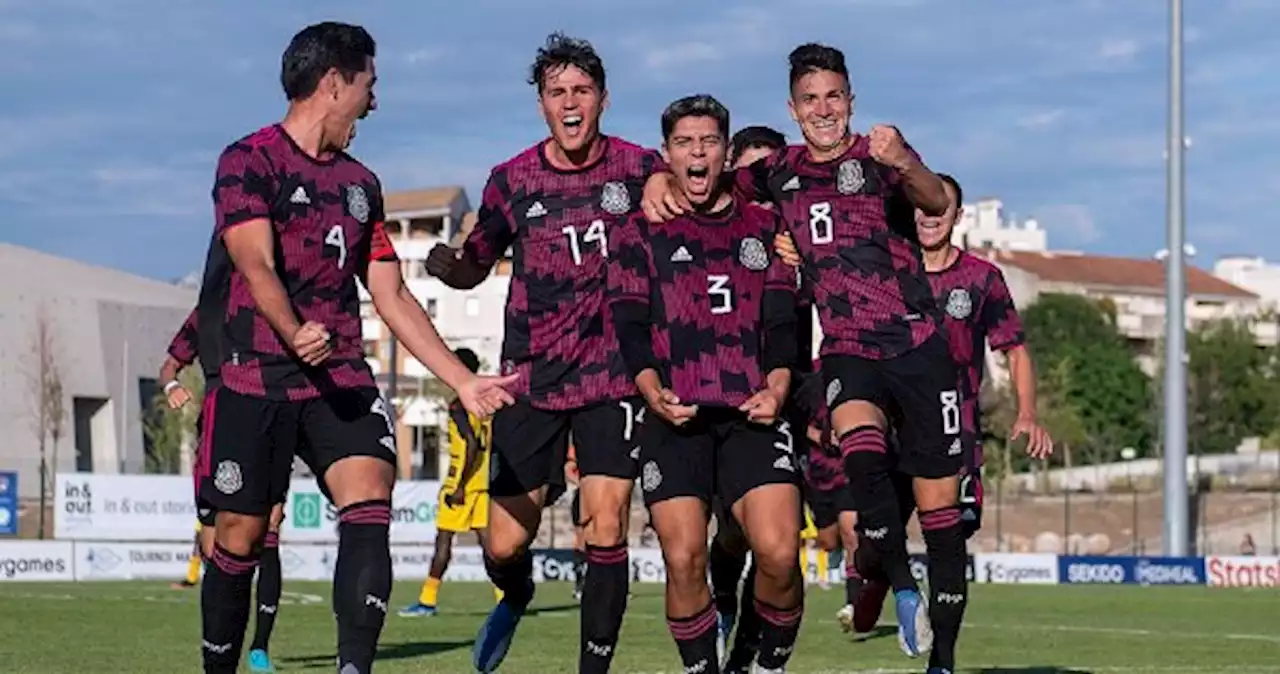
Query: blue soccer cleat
point(417, 611)
point(259, 661)
point(915, 633)
point(494, 639)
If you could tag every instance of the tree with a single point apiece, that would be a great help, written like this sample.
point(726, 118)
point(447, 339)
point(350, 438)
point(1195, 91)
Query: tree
point(167, 430)
point(45, 394)
point(1231, 392)
point(1106, 390)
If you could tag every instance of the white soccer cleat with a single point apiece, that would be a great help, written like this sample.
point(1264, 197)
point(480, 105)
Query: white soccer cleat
point(845, 616)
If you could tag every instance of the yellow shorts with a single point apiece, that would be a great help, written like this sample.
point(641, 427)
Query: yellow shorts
point(810, 531)
point(471, 515)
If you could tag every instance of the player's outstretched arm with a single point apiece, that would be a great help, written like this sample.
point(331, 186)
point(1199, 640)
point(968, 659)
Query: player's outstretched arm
point(181, 353)
point(924, 189)
point(410, 324)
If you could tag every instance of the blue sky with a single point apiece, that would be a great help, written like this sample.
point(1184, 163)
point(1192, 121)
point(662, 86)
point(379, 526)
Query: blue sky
point(113, 112)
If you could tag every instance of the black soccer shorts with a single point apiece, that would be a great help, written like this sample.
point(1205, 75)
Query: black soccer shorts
point(249, 444)
point(530, 445)
point(918, 390)
point(826, 505)
point(717, 454)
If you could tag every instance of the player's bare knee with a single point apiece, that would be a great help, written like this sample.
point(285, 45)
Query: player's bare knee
point(276, 518)
point(604, 530)
point(240, 534)
point(686, 564)
point(936, 494)
point(855, 413)
point(829, 538)
point(777, 566)
point(357, 479)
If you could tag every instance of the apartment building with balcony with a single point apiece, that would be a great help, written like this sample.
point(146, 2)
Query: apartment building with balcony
point(418, 220)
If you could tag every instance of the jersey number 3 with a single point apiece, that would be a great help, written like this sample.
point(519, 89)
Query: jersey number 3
point(720, 293)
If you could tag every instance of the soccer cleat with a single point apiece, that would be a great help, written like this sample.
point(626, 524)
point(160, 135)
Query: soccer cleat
point(915, 634)
point(181, 585)
point(724, 627)
point(260, 662)
point(495, 636)
point(868, 605)
point(416, 611)
point(757, 669)
point(938, 670)
point(845, 617)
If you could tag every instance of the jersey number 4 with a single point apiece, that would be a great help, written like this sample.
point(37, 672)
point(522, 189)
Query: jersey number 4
point(337, 238)
point(595, 234)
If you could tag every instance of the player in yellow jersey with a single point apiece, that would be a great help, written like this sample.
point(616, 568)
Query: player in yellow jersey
point(196, 561)
point(464, 496)
point(809, 535)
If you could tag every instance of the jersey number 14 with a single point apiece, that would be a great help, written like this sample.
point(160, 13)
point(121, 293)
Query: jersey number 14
point(595, 234)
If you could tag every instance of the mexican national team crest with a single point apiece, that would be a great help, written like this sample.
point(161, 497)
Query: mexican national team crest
point(614, 198)
point(849, 178)
point(357, 203)
point(753, 255)
point(959, 304)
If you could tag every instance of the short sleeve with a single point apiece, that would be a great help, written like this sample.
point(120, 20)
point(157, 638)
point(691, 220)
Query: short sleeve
point(243, 188)
point(999, 315)
point(184, 344)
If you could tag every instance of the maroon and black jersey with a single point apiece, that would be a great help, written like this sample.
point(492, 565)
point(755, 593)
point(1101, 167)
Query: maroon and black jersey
point(326, 218)
point(977, 310)
point(558, 225)
point(185, 348)
point(704, 302)
point(855, 230)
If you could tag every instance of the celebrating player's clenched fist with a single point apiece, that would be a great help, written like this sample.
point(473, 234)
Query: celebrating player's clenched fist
point(888, 148)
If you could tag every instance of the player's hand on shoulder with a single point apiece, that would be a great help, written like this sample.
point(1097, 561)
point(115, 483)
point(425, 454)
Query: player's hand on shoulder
point(662, 200)
point(312, 343)
point(888, 147)
point(785, 246)
point(441, 259)
point(763, 407)
point(482, 395)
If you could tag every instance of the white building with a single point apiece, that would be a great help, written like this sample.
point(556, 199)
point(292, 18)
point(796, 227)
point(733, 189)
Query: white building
point(109, 331)
point(417, 221)
point(983, 225)
point(1253, 273)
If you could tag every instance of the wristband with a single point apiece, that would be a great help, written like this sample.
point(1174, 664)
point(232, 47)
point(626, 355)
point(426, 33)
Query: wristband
point(173, 383)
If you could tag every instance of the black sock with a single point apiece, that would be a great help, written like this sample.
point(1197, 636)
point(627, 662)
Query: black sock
point(746, 639)
point(778, 638)
point(361, 582)
point(604, 600)
point(944, 537)
point(268, 595)
point(696, 639)
point(225, 596)
point(867, 466)
point(852, 580)
point(514, 578)
point(867, 561)
point(726, 572)
point(579, 569)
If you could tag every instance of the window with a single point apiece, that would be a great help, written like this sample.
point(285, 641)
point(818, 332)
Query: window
point(426, 449)
point(432, 307)
point(473, 307)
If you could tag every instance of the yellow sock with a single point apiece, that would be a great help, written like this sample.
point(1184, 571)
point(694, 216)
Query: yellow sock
point(822, 565)
point(804, 561)
point(193, 570)
point(430, 592)
point(497, 594)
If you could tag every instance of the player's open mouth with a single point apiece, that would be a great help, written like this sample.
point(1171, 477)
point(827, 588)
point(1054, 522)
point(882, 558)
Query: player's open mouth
point(697, 179)
point(572, 124)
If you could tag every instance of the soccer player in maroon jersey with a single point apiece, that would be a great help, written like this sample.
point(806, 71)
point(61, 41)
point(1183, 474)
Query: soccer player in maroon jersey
point(182, 352)
point(728, 551)
point(848, 200)
point(555, 204)
point(706, 318)
point(298, 223)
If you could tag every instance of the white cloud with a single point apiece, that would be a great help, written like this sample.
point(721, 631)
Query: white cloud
point(682, 55)
point(1042, 119)
point(424, 56)
point(1074, 222)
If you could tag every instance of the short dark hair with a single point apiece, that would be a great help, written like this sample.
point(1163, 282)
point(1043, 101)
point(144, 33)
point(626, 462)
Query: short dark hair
point(468, 358)
point(561, 51)
point(698, 105)
point(955, 185)
point(755, 136)
point(813, 57)
point(316, 49)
